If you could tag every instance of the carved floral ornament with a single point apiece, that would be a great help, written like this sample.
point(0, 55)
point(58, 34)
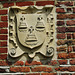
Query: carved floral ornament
point(31, 31)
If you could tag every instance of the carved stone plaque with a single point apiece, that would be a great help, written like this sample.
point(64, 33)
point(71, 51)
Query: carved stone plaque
point(31, 31)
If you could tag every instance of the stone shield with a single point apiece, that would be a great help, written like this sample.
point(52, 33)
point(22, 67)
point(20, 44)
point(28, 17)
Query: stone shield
point(31, 29)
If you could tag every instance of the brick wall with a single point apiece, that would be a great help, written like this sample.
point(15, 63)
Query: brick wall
point(65, 23)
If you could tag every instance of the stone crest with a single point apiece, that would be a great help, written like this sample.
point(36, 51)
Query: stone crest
point(31, 31)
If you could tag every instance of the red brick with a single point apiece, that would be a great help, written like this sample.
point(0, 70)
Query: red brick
point(3, 50)
point(69, 49)
point(3, 44)
point(33, 74)
point(19, 69)
point(28, 3)
point(62, 56)
point(70, 23)
point(73, 74)
point(39, 69)
point(71, 68)
point(61, 42)
point(73, 42)
point(61, 36)
point(73, 10)
point(4, 18)
point(61, 29)
point(2, 70)
point(67, 3)
point(3, 12)
point(69, 10)
point(61, 16)
point(64, 74)
point(63, 48)
point(74, 48)
point(62, 62)
point(48, 73)
point(53, 62)
point(19, 63)
point(72, 62)
point(70, 16)
point(3, 56)
point(61, 69)
point(69, 42)
point(32, 63)
point(70, 29)
point(60, 10)
point(14, 0)
point(69, 36)
point(3, 37)
point(71, 55)
point(43, 3)
point(5, 5)
point(3, 0)
point(65, 16)
point(4, 63)
point(73, 35)
point(60, 23)
point(3, 31)
point(3, 24)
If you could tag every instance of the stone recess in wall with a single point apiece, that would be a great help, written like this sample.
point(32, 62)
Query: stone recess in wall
point(32, 32)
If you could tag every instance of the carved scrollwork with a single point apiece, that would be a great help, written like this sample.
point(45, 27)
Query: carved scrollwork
point(30, 30)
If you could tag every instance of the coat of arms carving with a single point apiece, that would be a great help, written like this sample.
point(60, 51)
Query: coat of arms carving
point(31, 31)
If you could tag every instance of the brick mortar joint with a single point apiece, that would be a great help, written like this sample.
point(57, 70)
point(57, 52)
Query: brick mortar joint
point(11, 1)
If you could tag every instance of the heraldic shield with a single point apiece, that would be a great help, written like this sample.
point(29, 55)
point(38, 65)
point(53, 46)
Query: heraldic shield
point(31, 29)
point(31, 32)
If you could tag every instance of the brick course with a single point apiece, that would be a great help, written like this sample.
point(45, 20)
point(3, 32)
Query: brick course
point(33, 74)
point(60, 10)
point(67, 3)
point(62, 62)
point(3, 31)
point(3, 37)
point(3, 44)
point(72, 62)
point(70, 23)
point(43, 3)
point(73, 35)
point(5, 5)
point(3, 24)
point(32, 63)
point(62, 48)
point(63, 56)
point(61, 36)
point(19, 69)
point(60, 23)
point(69, 36)
point(49, 74)
point(24, 3)
point(39, 69)
point(4, 18)
point(61, 29)
point(3, 56)
point(3, 12)
point(5, 63)
point(3, 50)
point(69, 49)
